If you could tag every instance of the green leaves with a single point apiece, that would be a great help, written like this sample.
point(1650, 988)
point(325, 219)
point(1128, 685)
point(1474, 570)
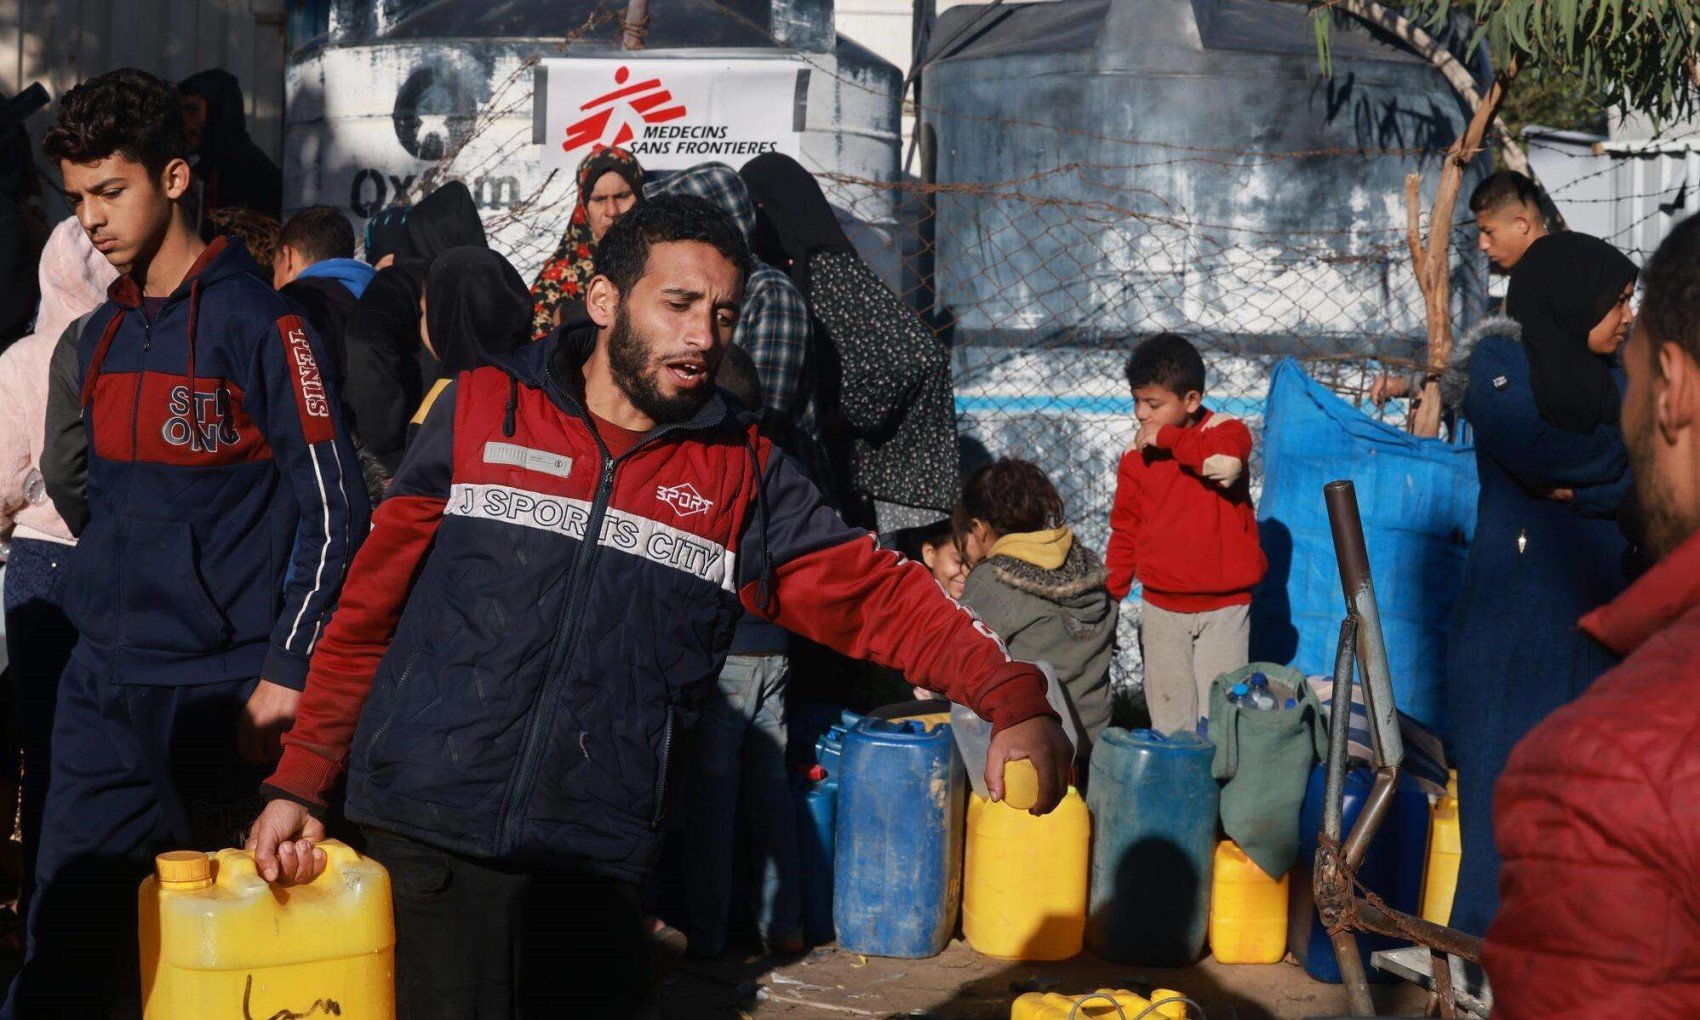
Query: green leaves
point(1637, 51)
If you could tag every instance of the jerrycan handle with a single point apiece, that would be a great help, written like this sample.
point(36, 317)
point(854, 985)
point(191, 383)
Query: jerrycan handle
point(1020, 784)
point(1084, 999)
point(337, 854)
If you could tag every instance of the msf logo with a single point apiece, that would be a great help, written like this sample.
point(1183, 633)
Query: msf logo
point(308, 382)
point(202, 425)
point(684, 499)
point(646, 102)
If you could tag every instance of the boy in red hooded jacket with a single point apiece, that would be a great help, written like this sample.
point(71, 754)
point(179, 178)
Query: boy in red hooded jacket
point(1184, 527)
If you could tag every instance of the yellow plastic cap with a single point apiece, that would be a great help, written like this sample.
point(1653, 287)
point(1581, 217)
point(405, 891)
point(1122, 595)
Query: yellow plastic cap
point(1020, 784)
point(183, 866)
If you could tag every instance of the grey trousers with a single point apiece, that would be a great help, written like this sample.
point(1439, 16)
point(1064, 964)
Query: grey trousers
point(1184, 653)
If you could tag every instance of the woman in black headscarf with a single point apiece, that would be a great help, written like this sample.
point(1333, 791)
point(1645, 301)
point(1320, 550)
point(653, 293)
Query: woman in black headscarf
point(388, 368)
point(474, 305)
point(883, 386)
point(1561, 290)
point(1540, 392)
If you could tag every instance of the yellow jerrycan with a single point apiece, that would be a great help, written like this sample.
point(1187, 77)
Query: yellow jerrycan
point(1103, 1004)
point(1024, 879)
point(219, 941)
point(1248, 910)
point(1445, 850)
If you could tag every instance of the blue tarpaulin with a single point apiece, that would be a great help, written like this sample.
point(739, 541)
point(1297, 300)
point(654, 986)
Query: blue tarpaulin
point(1418, 502)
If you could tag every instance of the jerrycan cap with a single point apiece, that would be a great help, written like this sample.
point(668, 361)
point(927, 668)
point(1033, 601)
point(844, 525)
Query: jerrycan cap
point(181, 867)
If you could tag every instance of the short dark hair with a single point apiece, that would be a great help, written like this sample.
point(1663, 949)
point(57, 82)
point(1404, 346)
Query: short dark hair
point(1168, 360)
point(737, 376)
point(1670, 302)
point(912, 542)
point(1013, 496)
point(1506, 188)
point(319, 232)
point(623, 252)
point(126, 112)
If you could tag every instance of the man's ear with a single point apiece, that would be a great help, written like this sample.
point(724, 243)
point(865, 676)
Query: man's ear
point(602, 299)
point(174, 180)
point(1676, 390)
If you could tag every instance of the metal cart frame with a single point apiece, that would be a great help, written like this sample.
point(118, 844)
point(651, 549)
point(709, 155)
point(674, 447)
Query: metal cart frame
point(1344, 905)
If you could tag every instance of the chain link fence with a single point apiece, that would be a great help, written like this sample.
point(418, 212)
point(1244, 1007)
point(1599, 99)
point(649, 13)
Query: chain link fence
point(1055, 293)
point(1041, 287)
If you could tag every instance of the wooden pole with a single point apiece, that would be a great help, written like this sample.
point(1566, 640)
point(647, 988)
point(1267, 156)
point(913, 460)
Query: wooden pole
point(635, 26)
point(1431, 257)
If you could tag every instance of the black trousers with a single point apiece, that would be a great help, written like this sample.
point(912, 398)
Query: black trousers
point(486, 940)
point(39, 639)
point(137, 770)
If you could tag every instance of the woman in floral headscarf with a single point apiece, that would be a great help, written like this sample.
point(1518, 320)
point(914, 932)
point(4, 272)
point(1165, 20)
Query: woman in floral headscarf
point(610, 182)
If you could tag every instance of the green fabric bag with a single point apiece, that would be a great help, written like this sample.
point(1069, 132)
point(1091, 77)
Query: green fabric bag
point(1266, 759)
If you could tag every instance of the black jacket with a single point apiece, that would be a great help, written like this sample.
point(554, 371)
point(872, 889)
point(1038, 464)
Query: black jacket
point(232, 169)
point(388, 368)
point(327, 303)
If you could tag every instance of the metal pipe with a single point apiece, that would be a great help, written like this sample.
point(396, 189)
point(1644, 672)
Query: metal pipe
point(1339, 729)
point(1369, 820)
point(1352, 974)
point(1441, 964)
point(1406, 928)
point(1359, 587)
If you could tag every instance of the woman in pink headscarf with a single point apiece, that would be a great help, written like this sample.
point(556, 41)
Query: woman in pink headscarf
point(74, 278)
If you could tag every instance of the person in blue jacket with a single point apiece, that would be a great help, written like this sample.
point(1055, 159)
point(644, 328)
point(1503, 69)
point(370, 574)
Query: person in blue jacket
point(1540, 391)
point(225, 504)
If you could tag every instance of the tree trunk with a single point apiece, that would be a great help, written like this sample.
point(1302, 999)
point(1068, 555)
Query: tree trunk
point(1431, 257)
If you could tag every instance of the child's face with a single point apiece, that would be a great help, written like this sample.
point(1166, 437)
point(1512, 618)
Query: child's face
point(946, 563)
point(1156, 406)
point(124, 209)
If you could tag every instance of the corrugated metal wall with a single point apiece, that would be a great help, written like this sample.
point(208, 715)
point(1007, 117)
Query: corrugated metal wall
point(61, 42)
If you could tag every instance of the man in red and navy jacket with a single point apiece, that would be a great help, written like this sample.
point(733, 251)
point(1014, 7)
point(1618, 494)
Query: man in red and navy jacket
point(225, 506)
point(551, 583)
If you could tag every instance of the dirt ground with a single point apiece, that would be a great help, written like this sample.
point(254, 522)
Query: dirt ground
point(961, 985)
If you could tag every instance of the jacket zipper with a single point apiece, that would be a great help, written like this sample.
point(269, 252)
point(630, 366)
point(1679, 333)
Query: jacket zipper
point(566, 637)
point(531, 746)
point(136, 408)
point(666, 757)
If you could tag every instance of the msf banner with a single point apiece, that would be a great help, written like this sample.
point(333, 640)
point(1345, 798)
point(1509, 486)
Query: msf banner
point(670, 114)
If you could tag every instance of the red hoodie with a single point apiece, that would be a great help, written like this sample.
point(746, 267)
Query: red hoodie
point(1183, 522)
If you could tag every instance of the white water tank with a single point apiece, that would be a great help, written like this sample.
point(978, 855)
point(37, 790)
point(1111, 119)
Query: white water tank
point(392, 99)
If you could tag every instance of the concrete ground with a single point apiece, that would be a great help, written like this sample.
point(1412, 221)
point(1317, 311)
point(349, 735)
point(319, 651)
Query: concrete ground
point(961, 985)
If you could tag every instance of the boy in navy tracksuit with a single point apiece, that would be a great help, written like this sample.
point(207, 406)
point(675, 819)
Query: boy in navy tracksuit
point(225, 506)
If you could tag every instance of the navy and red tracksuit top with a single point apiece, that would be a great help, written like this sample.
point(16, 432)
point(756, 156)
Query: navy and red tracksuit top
point(531, 618)
point(225, 499)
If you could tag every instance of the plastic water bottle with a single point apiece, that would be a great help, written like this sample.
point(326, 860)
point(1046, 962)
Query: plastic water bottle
point(1263, 698)
point(1259, 697)
point(1239, 694)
